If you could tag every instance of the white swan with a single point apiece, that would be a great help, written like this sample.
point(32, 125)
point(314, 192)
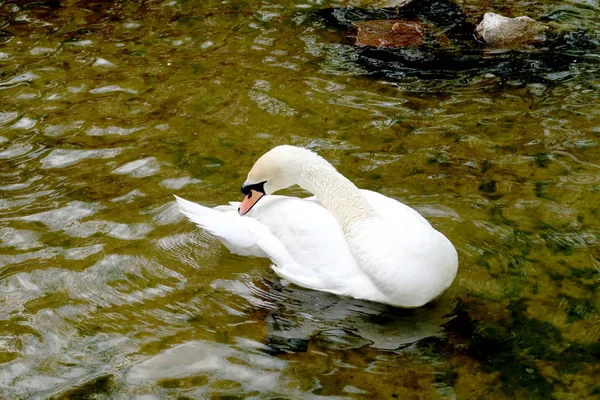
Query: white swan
point(344, 240)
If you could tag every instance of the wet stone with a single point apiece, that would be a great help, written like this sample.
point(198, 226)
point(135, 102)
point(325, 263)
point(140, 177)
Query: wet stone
point(386, 33)
point(443, 14)
point(345, 17)
point(385, 3)
point(498, 31)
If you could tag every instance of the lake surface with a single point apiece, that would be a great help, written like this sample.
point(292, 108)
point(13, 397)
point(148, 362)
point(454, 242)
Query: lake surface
point(106, 292)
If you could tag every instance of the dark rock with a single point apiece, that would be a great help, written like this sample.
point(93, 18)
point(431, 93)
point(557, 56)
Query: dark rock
point(575, 40)
point(428, 62)
point(345, 17)
point(385, 3)
point(386, 33)
point(444, 14)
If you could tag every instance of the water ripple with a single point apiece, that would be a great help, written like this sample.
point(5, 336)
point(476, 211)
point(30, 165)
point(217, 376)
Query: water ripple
point(61, 158)
point(112, 130)
point(254, 371)
point(6, 117)
point(19, 239)
point(26, 77)
point(113, 89)
point(269, 103)
point(16, 150)
point(139, 168)
point(62, 217)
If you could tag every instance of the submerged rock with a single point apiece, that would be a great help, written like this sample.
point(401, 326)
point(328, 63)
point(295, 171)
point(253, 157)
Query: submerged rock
point(498, 31)
point(385, 3)
point(386, 33)
point(345, 17)
point(434, 39)
point(444, 14)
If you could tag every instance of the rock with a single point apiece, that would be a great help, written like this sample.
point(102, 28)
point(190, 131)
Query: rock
point(444, 14)
point(475, 9)
point(385, 3)
point(344, 17)
point(433, 39)
point(498, 31)
point(386, 33)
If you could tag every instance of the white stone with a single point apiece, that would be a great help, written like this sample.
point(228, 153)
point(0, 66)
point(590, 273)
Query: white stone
point(499, 31)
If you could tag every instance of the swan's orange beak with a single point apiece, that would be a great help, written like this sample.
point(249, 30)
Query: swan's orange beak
point(249, 201)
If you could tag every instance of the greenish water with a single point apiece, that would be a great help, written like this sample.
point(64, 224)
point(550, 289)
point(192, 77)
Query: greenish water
point(108, 108)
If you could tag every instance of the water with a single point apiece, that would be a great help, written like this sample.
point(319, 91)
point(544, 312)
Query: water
point(108, 108)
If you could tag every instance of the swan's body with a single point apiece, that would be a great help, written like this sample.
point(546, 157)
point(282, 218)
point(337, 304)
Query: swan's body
point(345, 241)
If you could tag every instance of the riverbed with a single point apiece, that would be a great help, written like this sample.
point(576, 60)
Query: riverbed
point(106, 291)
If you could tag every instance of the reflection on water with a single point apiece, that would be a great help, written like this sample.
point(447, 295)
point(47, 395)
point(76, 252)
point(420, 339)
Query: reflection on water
point(111, 107)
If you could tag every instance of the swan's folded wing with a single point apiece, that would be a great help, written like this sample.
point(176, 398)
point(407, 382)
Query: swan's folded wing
point(247, 236)
point(231, 229)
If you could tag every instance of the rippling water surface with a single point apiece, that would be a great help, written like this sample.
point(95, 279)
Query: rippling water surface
point(110, 107)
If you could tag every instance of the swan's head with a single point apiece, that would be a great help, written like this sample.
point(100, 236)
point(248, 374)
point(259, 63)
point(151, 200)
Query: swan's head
point(277, 169)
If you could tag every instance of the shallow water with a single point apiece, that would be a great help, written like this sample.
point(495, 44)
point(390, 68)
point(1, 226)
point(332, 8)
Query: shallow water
point(108, 108)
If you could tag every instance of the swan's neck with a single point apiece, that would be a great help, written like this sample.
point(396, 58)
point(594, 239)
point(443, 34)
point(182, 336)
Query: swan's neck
point(340, 196)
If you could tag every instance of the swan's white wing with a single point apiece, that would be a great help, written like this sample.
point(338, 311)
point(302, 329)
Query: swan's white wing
point(232, 230)
point(249, 237)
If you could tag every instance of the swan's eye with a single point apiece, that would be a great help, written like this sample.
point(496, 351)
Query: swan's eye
point(259, 187)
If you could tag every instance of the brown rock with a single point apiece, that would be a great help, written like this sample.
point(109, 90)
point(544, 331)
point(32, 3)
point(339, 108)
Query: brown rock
point(386, 33)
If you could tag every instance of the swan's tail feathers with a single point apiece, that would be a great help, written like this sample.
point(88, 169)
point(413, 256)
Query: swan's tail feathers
point(228, 227)
point(215, 222)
